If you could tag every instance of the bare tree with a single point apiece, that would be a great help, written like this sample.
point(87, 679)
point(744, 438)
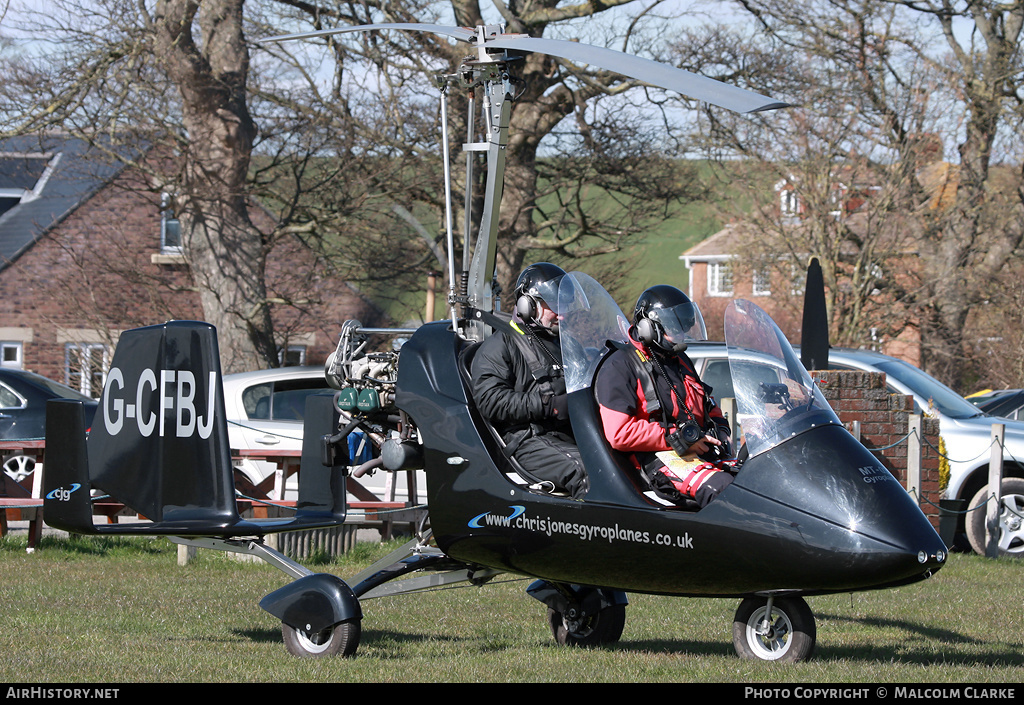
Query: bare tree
point(871, 68)
point(552, 177)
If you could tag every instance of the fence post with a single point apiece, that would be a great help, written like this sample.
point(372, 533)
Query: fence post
point(914, 431)
point(728, 407)
point(995, 488)
point(855, 429)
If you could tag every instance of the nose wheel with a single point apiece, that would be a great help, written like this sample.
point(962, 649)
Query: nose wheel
point(774, 629)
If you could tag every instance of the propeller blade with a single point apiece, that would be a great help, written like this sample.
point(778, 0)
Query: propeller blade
point(653, 72)
point(814, 344)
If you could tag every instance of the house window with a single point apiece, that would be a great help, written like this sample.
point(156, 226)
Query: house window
point(789, 202)
point(762, 285)
point(798, 280)
point(719, 279)
point(85, 367)
point(170, 228)
point(292, 355)
point(11, 354)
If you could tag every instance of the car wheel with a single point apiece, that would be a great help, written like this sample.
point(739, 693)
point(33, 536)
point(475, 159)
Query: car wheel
point(19, 467)
point(1010, 529)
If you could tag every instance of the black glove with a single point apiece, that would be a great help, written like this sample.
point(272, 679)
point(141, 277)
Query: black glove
point(560, 406)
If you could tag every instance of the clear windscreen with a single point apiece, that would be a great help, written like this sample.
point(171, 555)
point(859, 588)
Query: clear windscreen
point(776, 399)
point(588, 319)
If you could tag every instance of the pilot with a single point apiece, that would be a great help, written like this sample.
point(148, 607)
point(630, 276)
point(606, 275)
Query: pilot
point(519, 385)
point(655, 408)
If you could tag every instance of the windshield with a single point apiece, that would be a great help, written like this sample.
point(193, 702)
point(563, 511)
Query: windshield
point(775, 397)
point(589, 318)
point(929, 390)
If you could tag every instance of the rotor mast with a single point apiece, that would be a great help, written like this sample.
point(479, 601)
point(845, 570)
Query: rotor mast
point(489, 72)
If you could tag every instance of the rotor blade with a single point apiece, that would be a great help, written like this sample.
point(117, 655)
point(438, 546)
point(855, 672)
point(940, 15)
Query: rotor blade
point(460, 33)
point(689, 84)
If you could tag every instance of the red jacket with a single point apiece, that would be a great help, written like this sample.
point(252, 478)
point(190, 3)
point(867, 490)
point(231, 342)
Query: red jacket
point(627, 423)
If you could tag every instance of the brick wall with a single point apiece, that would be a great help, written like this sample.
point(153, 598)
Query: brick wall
point(883, 418)
point(95, 271)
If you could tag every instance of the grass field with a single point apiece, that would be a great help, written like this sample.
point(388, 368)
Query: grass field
point(101, 610)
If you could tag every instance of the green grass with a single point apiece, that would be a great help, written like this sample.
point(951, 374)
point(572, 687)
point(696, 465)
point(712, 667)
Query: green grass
point(91, 610)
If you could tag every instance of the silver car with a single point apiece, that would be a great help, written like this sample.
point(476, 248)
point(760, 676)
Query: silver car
point(966, 431)
point(265, 414)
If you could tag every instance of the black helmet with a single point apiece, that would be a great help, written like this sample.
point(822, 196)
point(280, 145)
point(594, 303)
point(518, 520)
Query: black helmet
point(537, 283)
point(665, 319)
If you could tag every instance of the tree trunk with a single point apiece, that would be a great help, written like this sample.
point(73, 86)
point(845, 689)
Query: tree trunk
point(226, 252)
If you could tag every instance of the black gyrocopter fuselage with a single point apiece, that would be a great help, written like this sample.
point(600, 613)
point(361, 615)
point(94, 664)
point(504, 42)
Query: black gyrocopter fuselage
point(812, 512)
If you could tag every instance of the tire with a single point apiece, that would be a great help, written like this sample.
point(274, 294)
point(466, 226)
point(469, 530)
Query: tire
point(599, 629)
point(790, 636)
point(1010, 539)
point(339, 639)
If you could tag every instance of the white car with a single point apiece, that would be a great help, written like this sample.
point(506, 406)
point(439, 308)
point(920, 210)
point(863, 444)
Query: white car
point(966, 431)
point(265, 413)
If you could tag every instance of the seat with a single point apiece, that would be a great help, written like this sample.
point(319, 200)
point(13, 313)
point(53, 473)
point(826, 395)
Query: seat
point(496, 446)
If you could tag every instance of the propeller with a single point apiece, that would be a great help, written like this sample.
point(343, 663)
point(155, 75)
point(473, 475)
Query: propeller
point(814, 343)
point(487, 37)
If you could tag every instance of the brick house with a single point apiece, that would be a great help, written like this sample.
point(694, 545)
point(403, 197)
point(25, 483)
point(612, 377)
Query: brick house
point(87, 250)
point(719, 270)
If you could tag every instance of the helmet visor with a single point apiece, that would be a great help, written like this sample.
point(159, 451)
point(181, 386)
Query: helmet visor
point(681, 323)
point(546, 292)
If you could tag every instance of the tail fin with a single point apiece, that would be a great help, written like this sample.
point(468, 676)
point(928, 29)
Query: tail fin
point(66, 501)
point(159, 444)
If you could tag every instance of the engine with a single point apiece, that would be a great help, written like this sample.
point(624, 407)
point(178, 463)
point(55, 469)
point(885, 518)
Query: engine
point(366, 397)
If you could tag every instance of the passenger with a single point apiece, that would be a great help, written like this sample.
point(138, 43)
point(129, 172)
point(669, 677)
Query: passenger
point(655, 408)
point(519, 385)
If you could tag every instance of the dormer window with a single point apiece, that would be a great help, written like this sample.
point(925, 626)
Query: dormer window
point(22, 176)
point(789, 203)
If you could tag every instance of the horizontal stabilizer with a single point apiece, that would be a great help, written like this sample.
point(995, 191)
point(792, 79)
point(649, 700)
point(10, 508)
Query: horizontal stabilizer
point(159, 445)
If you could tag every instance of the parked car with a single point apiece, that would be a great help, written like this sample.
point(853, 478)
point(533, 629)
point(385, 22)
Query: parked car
point(23, 397)
point(965, 428)
point(265, 411)
point(1005, 403)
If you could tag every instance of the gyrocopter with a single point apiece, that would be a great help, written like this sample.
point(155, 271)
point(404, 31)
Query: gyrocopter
point(810, 511)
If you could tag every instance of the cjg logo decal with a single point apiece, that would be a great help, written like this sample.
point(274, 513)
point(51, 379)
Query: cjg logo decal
point(62, 494)
point(493, 519)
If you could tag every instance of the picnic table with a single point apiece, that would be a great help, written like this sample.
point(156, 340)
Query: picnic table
point(384, 511)
point(21, 501)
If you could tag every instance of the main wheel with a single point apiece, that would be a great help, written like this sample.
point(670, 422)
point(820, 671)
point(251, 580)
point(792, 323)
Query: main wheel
point(787, 635)
point(338, 639)
point(1010, 532)
point(605, 627)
